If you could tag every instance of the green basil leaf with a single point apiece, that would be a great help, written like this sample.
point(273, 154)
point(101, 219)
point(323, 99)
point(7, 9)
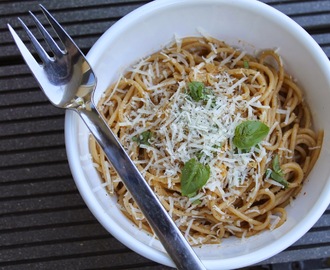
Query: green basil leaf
point(277, 174)
point(197, 91)
point(143, 138)
point(279, 178)
point(194, 176)
point(276, 165)
point(249, 133)
point(246, 64)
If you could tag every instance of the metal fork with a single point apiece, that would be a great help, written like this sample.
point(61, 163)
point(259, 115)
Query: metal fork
point(68, 81)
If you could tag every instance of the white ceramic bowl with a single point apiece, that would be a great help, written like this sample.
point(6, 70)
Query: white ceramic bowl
point(259, 26)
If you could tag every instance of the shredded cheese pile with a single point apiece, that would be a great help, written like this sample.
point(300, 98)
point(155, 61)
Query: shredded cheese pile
point(183, 128)
point(162, 127)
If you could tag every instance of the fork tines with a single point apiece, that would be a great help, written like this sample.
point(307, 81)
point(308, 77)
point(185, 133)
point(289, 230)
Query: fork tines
point(56, 50)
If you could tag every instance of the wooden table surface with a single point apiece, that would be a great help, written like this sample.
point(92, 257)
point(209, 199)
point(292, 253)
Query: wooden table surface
point(44, 223)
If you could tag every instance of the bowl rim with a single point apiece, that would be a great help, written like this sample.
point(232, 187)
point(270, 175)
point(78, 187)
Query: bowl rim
point(149, 252)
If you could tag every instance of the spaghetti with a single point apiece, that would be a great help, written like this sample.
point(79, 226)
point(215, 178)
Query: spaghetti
point(179, 114)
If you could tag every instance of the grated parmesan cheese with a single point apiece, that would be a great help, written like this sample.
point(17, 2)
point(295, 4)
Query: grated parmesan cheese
point(183, 128)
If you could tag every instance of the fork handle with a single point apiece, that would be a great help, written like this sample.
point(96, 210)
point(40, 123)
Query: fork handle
point(168, 233)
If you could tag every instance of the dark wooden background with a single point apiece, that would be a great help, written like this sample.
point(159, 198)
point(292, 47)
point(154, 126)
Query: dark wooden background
point(44, 223)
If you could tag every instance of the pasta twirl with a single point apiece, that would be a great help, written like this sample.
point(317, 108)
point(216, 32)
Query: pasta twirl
point(181, 109)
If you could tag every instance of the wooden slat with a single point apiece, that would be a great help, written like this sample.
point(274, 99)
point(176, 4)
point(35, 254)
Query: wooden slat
point(17, 83)
point(314, 238)
point(34, 187)
point(20, 7)
point(39, 141)
point(298, 8)
point(28, 111)
point(45, 219)
point(91, 260)
point(32, 126)
point(72, 19)
point(21, 173)
point(13, 70)
point(47, 201)
point(49, 155)
point(17, 97)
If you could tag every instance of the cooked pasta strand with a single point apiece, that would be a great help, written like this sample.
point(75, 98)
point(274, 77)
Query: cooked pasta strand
point(161, 127)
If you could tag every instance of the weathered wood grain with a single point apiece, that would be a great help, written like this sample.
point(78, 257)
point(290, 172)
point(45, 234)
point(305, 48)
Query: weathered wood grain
point(44, 222)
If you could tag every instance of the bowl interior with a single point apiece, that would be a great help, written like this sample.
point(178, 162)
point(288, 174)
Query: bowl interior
point(251, 26)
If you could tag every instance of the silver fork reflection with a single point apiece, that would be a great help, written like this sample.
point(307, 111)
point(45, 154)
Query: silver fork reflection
point(68, 81)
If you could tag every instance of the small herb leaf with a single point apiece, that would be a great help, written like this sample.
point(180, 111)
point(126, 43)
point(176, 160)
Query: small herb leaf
point(194, 176)
point(197, 91)
point(143, 138)
point(249, 133)
point(277, 173)
point(276, 165)
point(279, 178)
